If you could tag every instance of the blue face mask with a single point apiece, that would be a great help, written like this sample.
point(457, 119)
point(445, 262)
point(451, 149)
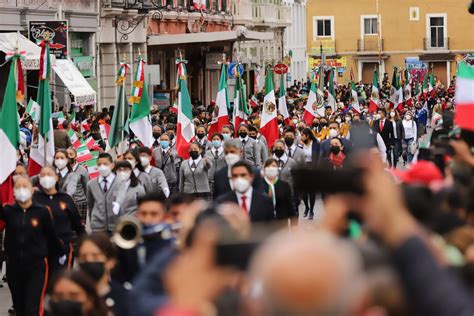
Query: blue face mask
point(216, 143)
point(164, 144)
point(226, 136)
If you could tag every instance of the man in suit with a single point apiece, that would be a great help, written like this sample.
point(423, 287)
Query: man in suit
point(334, 132)
point(257, 205)
point(102, 193)
point(385, 128)
point(61, 139)
point(251, 149)
point(222, 178)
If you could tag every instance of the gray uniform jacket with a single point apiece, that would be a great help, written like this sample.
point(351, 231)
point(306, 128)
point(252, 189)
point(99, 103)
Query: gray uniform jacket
point(166, 162)
point(218, 162)
point(100, 204)
point(197, 181)
point(286, 169)
point(251, 152)
point(297, 154)
point(263, 149)
point(68, 183)
point(158, 180)
point(128, 197)
point(80, 194)
point(145, 180)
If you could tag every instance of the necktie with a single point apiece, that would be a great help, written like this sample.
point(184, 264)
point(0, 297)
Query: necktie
point(193, 166)
point(280, 163)
point(289, 152)
point(244, 203)
point(105, 185)
point(217, 153)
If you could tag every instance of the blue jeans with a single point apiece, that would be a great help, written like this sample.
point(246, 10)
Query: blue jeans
point(407, 155)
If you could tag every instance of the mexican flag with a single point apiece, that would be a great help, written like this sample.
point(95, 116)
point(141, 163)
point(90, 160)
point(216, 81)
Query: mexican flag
point(396, 93)
point(332, 92)
point(375, 96)
point(282, 107)
point(118, 131)
point(45, 141)
point(185, 130)
point(84, 126)
point(464, 97)
point(310, 109)
point(139, 120)
point(76, 143)
point(33, 109)
point(320, 93)
point(83, 154)
point(354, 98)
point(241, 109)
point(92, 168)
point(222, 100)
point(269, 123)
point(199, 4)
point(9, 127)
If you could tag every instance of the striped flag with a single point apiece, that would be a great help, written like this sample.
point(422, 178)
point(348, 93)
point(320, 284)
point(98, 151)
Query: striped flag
point(185, 130)
point(33, 109)
point(74, 139)
point(464, 96)
point(83, 154)
point(282, 107)
point(222, 100)
point(374, 96)
point(92, 168)
point(269, 124)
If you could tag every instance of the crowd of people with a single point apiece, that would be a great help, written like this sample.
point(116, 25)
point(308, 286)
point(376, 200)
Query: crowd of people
point(231, 230)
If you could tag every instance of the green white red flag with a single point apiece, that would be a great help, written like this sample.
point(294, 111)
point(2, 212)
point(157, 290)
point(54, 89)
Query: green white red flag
point(76, 143)
point(268, 122)
point(282, 106)
point(332, 92)
point(222, 100)
point(464, 96)
point(375, 96)
point(185, 129)
point(354, 98)
point(311, 107)
point(83, 154)
point(241, 108)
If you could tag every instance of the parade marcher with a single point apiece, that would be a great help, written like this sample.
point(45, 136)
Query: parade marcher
point(293, 149)
point(279, 191)
point(251, 150)
point(311, 150)
point(166, 159)
point(346, 125)
point(29, 238)
point(227, 132)
point(194, 174)
point(201, 138)
point(258, 206)
point(158, 179)
point(156, 135)
point(68, 179)
point(79, 196)
point(130, 191)
point(97, 257)
point(337, 156)
point(261, 142)
point(398, 137)
point(421, 118)
point(216, 155)
point(285, 164)
point(74, 293)
point(65, 215)
point(410, 131)
point(102, 193)
point(334, 131)
point(134, 159)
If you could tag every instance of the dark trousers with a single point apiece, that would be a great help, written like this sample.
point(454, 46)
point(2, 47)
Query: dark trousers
point(309, 200)
point(53, 260)
point(27, 282)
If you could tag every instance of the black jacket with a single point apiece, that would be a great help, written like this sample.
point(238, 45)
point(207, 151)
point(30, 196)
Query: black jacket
point(222, 185)
point(65, 214)
point(284, 207)
point(400, 131)
point(261, 209)
point(28, 233)
point(386, 132)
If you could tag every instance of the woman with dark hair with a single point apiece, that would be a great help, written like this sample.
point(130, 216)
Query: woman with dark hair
point(97, 257)
point(130, 191)
point(79, 196)
point(64, 212)
point(133, 158)
point(73, 293)
point(336, 157)
point(278, 190)
point(67, 178)
point(311, 148)
point(215, 154)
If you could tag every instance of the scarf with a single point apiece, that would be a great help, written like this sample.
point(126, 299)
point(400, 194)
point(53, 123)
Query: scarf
point(337, 160)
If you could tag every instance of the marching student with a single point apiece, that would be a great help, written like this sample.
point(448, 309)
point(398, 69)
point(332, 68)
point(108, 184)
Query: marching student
point(130, 190)
point(194, 174)
point(166, 159)
point(251, 150)
point(67, 178)
point(79, 196)
point(216, 155)
point(132, 157)
point(158, 179)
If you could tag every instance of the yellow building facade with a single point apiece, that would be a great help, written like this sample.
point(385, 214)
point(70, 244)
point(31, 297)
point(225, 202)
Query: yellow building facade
point(420, 35)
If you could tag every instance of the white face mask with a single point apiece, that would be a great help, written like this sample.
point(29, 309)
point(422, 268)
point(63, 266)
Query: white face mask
point(60, 163)
point(376, 117)
point(231, 159)
point(333, 132)
point(104, 170)
point(338, 120)
point(145, 161)
point(47, 182)
point(132, 162)
point(407, 117)
point(241, 185)
point(270, 172)
point(123, 175)
point(22, 194)
point(348, 119)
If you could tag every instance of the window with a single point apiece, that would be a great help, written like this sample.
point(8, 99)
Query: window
point(370, 26)
point(323, 28)
point(436, 31)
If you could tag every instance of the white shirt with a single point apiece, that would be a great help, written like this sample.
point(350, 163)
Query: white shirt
point(308, 152)
point(394, 123)
point(244, 140)
point(63, 172)
point(248, 200)
point(219, 151)
point(293, 149)
point(196, 162)
point(136, 172)
point(410, 129)
point(110, 178)
point(148, 169)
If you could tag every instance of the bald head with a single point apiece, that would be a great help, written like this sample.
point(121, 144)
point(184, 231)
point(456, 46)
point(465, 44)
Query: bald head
point(306, 273)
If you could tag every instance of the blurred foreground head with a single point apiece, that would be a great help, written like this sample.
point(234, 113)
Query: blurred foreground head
point(306, 273)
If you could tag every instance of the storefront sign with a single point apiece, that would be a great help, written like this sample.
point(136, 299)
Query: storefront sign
point(54, 31)
point(330, 62)
point(328, 46)
point(280, 69)
point(85, 64)
point(416, 67)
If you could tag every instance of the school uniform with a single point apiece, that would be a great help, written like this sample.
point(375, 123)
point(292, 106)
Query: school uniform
point(194, 179)
point(116, 299)
point(29, 238)
point(165, 159)
point(101, 195)
point(205, 145)
point(67, 181)
point(144, 179)
point(128, 197)
point(66, 220)
point(158, 180)
point(262, 143)
point(286, 165)
point(216, 155)
point(80, 196)
point(296, 152)
point(251, 151)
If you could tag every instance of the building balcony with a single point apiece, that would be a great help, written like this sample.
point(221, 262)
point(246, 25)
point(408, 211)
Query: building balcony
point(369, 45)
point(328, 47)
point(436, 43)
point(260, 13)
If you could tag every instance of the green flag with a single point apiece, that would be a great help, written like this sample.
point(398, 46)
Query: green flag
point(118, 131)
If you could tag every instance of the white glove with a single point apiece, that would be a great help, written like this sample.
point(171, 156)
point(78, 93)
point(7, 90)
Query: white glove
point(166, 192)
point(62, 260)
point(115, 208)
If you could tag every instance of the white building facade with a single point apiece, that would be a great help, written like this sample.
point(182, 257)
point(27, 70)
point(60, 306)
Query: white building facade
point(294, 42)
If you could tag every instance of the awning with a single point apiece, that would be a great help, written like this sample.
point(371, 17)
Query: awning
point(9, 41)
point(75, 82)
point(206, 37)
